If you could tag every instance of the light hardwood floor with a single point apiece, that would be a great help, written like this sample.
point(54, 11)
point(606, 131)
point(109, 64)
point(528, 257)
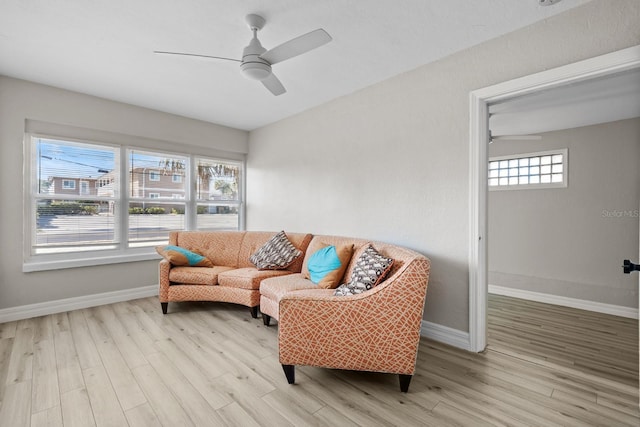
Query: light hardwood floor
point(210, 364)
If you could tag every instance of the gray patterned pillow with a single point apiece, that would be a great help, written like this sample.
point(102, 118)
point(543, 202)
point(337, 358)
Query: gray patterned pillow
point(277, 254)
point(370, 269)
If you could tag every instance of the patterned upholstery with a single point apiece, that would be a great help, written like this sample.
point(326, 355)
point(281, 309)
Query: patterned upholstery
point(233, 278)
point(378, 330)
point(248, 277)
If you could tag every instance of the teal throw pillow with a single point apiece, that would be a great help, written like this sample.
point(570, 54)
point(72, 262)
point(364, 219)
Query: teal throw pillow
point(183, 257)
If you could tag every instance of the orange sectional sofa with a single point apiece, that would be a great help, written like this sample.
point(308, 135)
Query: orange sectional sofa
point(376, 330)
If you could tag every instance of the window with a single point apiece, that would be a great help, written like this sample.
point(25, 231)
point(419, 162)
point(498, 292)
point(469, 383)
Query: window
point(62, 220)
point(68, 184)
point(546, 169)
point(94, 203)
point(217, 194)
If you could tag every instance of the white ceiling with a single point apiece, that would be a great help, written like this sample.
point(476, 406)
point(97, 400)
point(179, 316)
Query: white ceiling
point(104, 48)
point(586, 103)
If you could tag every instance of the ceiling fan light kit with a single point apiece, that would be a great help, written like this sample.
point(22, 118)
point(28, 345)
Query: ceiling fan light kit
point(257, 61)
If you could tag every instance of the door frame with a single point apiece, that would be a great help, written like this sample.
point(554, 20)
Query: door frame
point(600, 66)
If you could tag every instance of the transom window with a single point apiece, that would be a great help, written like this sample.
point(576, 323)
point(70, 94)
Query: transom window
point(546, 169)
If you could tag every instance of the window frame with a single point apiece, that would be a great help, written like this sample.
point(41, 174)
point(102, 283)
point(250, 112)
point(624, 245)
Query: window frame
point(121, 251)
point(538, 186)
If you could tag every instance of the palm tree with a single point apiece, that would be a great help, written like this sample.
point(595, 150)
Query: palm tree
point(206, 173)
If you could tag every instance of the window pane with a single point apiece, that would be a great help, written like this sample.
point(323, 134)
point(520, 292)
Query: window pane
point(504, 164)
point(545, 179)
point(556, 158)
point(493, 165)
point(513, 172)
point(151, 175)
point(493, 173)
point(545, 160)
point(535, 179)
point(72, 225)
point(151, 222)
point(556, 177)
point(523, 162)
point(534, 161)
point(545, 169)
point(67, 168)
point(504, 181)
point(513, 180)
point(523, 180)
point(217, 180)
point(556, 168)
point(524, 171)
point(216, 217)
point(534, 170)
point(513, 163)
point(493, 182)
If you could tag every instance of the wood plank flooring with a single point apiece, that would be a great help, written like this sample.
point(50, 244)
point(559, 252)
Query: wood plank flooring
point(211, 364)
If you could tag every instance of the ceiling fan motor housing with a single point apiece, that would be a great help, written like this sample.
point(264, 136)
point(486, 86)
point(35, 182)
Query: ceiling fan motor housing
point(252, 66)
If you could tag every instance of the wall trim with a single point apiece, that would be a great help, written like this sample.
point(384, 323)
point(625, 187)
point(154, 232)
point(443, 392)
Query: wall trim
point(75, 303)
point(446, 335)
point(599, 307)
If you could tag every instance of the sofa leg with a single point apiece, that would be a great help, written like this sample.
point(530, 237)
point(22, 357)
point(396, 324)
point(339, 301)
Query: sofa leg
point(254, 312)
point(266, 319)
point(404, 382)
point(164, 307)
point(290, 373)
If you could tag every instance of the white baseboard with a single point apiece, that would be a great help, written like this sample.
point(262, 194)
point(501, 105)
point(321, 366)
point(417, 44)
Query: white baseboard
point(68, 304)
point(598, 307)
point(446, 335)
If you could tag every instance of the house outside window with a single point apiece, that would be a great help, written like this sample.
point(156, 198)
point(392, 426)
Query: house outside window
point(69, 184)
point(176, 178)
point(154, 176)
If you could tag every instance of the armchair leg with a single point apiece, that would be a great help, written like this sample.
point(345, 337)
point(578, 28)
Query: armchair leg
point(290, 373)
point(254, 312)
point(266, 319)
point(164, 306)
point(404, 382)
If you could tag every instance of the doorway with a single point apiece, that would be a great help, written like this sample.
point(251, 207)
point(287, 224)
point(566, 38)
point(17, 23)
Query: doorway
point(602, 66)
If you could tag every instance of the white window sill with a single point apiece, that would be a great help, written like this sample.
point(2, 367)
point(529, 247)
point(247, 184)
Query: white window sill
point(91, 260)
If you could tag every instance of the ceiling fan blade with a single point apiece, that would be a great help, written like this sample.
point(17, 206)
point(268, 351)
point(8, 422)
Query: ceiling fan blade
point(195, 55)
point(297, 46)
point(273, 84)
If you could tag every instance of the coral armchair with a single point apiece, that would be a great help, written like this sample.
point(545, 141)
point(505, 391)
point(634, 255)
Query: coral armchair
point(376, 331)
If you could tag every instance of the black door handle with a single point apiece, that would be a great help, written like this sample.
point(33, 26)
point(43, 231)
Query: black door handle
point(628, 267)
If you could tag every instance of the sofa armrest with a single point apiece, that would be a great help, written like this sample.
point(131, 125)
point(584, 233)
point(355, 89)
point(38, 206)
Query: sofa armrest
point(163, 277)
point(378, 330)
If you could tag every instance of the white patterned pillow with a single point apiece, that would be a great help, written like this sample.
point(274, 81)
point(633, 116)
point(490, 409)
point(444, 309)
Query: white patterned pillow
point(370, 269)
point(277, 254)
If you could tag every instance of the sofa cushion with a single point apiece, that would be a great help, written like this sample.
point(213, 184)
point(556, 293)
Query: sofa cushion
point(327, 265)
point(370, 269)
point(254, 240)
point(221, 247)
point(181, 256)
point(196, 275)
point(277, 254)
point(247, 278)
point(275, 288)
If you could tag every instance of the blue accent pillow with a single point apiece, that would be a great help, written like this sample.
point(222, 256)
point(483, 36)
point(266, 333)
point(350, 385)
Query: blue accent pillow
point(327, 265)
point(183, 257)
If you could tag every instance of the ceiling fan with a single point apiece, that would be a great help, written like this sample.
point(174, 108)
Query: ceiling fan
point(256, 61)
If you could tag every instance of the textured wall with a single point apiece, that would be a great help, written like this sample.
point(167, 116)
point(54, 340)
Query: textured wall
point(20, 100)
point(571, 241)
point(390, 162)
